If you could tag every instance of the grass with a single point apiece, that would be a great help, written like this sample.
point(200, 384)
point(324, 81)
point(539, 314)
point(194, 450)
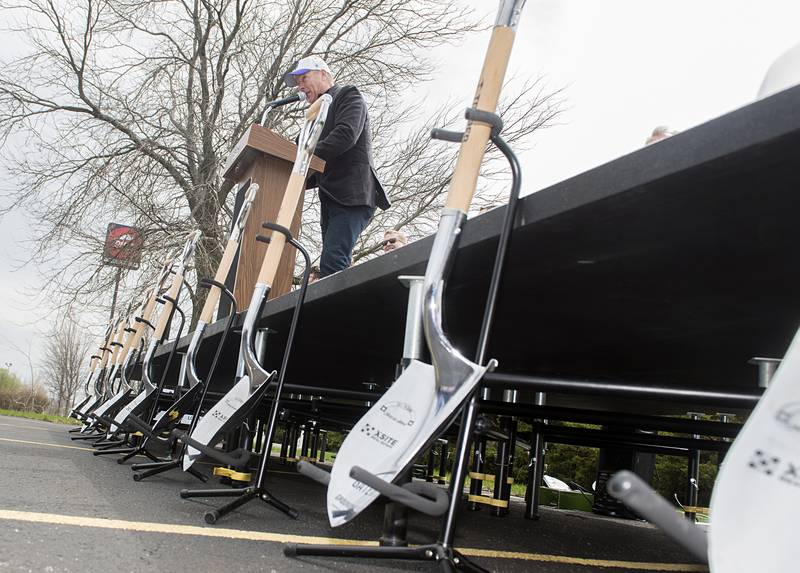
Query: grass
point(38, 416)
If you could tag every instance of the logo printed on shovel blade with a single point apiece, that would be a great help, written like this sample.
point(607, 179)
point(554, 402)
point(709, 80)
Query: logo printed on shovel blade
point(209, 425)
point(391, 424)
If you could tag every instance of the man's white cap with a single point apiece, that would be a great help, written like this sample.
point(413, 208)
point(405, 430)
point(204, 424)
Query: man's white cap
point(305, 65)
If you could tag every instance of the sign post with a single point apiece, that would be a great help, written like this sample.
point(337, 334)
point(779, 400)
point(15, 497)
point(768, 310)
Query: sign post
point(122, 249)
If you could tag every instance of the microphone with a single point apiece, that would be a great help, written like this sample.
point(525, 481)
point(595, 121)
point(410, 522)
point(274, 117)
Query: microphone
point(299, 96)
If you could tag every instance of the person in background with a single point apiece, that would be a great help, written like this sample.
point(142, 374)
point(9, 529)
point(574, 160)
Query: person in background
point(393, 239)
point(659, 133)
point(349, 188)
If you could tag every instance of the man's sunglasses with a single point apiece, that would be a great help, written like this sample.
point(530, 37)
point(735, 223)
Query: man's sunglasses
point(391, 241)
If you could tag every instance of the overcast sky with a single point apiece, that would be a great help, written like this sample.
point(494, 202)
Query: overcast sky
point(626, 66)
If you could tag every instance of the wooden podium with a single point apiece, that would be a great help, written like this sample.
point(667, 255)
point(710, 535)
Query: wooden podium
point(261, 156)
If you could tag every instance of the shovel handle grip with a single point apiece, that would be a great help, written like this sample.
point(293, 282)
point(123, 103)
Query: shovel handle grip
point(237, 458)
point(476, 136)
point(313, 472)
point(423, 497)
point(141, 426)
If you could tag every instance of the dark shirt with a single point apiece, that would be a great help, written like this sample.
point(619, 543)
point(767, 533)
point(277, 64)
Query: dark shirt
point(345, 144)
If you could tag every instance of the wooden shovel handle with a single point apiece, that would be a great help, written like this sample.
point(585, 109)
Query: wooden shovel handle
point(294, 190)
point(118, 336)
point(166, 311)
point(104, 350)
point(214, 293)
point(133, 338)
point(127, 337)
point(476, 136)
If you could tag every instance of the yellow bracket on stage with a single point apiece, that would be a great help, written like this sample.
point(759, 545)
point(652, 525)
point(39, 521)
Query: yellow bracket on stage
point(300, 459)
point(233, 474)
point(486, 500)
point(488, 477)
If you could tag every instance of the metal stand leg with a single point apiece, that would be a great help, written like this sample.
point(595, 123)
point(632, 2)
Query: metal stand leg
point(161, 467)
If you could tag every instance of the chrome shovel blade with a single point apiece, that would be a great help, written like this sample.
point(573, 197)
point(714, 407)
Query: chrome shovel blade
point(178, 408)
point(391, 434)
point(115, 399)
point(210, 425)
point(226, 413)
point(379, 440)
point(134, 406)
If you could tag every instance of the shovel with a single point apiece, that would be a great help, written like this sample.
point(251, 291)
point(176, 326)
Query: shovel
point(425, 397)
point(109, 349)
point(206, 315)
point(135, 333)
point(249, 390)
point(137, 405)
point(94, 360)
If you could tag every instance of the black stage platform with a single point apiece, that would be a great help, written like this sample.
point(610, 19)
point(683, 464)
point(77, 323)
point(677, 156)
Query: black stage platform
point(671, 266)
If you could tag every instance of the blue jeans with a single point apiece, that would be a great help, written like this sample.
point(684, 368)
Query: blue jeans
point(341, 226)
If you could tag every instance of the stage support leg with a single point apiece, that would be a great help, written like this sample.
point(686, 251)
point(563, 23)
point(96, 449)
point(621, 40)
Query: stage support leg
point(536, 468)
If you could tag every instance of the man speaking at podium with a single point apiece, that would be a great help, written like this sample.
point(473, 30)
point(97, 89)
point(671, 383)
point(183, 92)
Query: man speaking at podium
point(349, 188)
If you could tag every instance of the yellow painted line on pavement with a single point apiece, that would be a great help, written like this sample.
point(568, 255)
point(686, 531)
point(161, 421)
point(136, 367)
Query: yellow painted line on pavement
point(149, 527)
point(47, 445)
point(566, 560)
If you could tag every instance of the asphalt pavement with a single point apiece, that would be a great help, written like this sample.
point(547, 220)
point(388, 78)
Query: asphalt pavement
point(64, 510)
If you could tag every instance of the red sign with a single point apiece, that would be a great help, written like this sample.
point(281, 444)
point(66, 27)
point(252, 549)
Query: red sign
point(123, 246)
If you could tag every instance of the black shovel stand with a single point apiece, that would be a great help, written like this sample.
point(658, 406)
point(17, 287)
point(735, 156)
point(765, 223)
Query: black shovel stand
point(257, 489)
point(132, 451)
point(107, 440)
point(442, 552)
point(91, 423)
point(154, 468)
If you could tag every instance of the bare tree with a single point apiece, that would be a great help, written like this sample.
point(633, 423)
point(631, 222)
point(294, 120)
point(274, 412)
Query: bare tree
point(65, 351)
point(125, 110)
